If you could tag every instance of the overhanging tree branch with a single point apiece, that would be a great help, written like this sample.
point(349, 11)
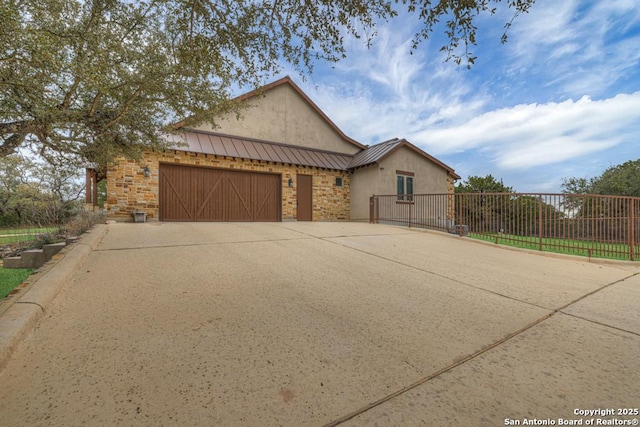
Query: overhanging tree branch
point(101, 79)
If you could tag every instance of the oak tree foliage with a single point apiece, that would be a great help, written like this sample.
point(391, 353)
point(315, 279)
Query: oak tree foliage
point(97, 79)
point(482, 184)
point(619, 180)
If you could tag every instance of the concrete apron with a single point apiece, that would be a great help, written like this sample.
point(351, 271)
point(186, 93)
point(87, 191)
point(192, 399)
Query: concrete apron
point(324, 323)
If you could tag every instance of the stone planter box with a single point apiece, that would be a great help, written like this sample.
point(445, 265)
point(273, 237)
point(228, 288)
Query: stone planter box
point(461, 230)
point(34, 258)
point(139, 216)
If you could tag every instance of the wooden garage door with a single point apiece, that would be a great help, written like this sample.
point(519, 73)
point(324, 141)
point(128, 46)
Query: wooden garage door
point(205, 194)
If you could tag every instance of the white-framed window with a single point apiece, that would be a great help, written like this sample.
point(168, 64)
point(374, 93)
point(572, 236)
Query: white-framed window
point(404, 185)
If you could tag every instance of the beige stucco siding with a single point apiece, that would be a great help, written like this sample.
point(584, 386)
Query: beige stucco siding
point(380, 179)
point(429, 178)
point(282, 115)
point(364, 184)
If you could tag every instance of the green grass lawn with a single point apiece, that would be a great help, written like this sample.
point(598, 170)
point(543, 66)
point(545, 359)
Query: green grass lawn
point(564, 246)
point(12, 277)
point(18, 235)
point(29, 230)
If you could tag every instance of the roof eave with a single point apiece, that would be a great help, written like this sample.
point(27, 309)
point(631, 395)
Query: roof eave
point(366, 165)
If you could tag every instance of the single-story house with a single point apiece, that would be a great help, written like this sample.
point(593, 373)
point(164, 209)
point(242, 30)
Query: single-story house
point(283, 159)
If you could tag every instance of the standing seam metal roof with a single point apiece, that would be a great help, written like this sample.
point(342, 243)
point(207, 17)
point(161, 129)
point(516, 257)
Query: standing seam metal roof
point(253, 149)
point(246, 148)
point(378, 152)
point(374, 153)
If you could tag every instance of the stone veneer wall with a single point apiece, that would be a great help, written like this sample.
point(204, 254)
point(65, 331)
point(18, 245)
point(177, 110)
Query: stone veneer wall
point(451, 184)
point(129, 190)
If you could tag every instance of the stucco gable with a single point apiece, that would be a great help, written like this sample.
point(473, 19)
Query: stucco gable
point(283, 113)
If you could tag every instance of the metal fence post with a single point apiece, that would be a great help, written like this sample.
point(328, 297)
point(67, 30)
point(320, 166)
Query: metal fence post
point(632, 233)
point(371, 211)
point(459, 214)
point(540, 220)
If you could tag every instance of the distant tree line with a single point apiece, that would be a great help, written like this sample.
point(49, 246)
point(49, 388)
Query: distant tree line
point(620, 180)
point(581, 213)
point(35, 193)
point(507, 212)
point(610, 216)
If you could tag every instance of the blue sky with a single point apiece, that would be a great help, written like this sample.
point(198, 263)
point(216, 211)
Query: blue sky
point(560, 99)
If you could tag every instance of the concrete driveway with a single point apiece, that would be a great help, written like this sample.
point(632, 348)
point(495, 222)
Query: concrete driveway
point(325, 324)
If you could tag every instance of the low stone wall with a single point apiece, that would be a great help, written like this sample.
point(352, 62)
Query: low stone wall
point(129, 190)
point(35, 258)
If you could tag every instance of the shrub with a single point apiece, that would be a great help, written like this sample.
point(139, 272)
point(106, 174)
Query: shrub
point(74, 227)
point(45, 239)
point(82, 222)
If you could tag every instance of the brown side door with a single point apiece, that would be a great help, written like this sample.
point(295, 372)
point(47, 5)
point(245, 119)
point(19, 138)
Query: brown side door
point(305, 197)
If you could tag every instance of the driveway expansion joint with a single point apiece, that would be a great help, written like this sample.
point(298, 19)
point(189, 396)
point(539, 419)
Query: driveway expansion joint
point(595, 291)
point(436, 374)
point(241, 242)
point(473, 356)
point(413, 267)
point(600, 323)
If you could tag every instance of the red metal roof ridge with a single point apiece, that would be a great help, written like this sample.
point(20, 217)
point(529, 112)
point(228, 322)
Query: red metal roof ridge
point(373, 154)
point(396, 139)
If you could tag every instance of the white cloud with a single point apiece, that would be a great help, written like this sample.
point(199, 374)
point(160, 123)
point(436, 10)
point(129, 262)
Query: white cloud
point(547, 25)
point(386, 91)
point(526, 136)
point(570, 66)
point(580, 47)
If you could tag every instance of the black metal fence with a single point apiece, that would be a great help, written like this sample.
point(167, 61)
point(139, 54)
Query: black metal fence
point(590, 225)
